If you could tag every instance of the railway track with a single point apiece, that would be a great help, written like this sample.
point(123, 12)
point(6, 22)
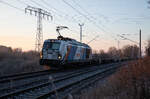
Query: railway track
point(75, 84)
point(40, 86)
point(20, 83)
point(7, 78)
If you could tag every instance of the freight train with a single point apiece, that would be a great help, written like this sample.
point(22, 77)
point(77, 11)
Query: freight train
point(65, 52)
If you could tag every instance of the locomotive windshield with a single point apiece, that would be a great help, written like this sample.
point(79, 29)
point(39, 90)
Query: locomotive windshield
point(51, 45)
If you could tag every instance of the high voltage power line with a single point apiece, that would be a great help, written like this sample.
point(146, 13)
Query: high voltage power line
point(47, 4)
point(40, 13)
point(87, 18)
point(83, 9)
point(78, 11)
point(58, 14)
point(39, 4)
point(89, 14)
point(46, 9)
point(81, 13)
point(27, 5)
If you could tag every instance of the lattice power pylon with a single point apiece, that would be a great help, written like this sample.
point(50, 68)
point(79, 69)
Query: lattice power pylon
point(40, 13)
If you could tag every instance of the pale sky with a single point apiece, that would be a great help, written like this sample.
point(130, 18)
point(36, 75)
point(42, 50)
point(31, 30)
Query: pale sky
point(107, 18)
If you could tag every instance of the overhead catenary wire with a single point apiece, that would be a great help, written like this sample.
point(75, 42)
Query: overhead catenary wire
point(94, 19)
point(87, 18)
point(76, 10)
point(58, 15)
point(12, 6)
point(83, 9)
point(93, 39)
point(23, 9)
point(6, 3)
point(57, 10)
point(127, 39)
point(90, 16)
point(83, 15)
point(79, 12)
point(52, 8)
point(45, 8)
point(40, 5)
point(34, 3)
point(87, 12)
point(47, 4)
point(23, 2)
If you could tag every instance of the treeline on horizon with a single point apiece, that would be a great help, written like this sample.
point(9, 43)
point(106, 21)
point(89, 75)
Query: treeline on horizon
point(16, 61)
point(127, 51)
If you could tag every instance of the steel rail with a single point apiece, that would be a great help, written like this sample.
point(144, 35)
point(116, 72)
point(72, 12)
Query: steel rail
point(71, 83)
point(41, 85)
point(7, 78)
point(32, 81)
point(85, 84)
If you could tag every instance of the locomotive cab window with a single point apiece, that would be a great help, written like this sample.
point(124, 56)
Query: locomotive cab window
point(51, 45)
point(55, 45)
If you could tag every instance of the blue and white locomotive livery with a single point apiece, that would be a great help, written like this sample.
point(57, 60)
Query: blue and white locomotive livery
point(64, 51)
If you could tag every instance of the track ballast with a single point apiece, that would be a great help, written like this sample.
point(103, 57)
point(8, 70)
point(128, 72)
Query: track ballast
point(53, 84)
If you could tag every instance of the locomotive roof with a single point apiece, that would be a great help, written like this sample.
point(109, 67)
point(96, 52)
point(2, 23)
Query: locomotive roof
point(70, 40)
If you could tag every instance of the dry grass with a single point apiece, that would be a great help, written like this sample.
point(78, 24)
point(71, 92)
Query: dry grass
point(15, 61)
point(130, 82)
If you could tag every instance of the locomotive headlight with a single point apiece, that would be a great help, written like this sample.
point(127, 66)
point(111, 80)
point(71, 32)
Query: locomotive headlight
point(59, 56)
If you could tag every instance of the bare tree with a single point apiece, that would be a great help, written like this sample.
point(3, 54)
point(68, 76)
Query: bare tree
point(103, 55)
point(131, 51)
point(112, 52)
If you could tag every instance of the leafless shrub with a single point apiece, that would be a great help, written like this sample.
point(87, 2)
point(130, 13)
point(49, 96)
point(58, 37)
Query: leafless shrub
point(16, 61)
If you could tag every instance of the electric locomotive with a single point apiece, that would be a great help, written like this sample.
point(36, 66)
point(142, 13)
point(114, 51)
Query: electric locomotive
point(64, 52)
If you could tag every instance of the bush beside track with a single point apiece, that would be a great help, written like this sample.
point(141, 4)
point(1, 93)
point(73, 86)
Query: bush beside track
point(14, 61)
